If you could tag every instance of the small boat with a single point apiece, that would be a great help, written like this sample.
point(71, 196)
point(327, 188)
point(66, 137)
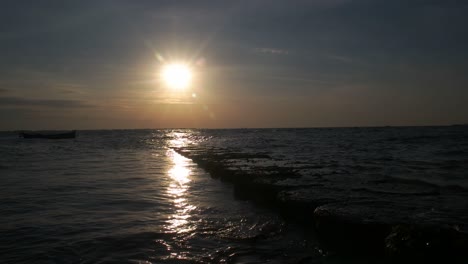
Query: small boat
point(71, 134)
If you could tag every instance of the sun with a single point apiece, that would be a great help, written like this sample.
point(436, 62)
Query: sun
point(177, 75)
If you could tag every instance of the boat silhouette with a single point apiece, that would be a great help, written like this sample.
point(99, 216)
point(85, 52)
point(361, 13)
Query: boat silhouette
point(63, 135)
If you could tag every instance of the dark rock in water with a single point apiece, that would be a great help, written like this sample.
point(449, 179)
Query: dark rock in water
point(299, 204)
point(341, 230)
point(421, 242)
point(358, 214)
point(256, 190)
point(390, 228)
point(258, 184)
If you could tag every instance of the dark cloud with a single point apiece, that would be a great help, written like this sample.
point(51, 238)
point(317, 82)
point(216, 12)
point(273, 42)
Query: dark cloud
point(50, 103)
point(272, 51)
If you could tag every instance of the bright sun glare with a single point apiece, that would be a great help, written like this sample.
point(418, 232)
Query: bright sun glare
point(177, 75)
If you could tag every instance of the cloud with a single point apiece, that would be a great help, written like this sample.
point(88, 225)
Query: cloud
point(21, 102)
point(3, 90)
point(340, 58)
point(272, 51)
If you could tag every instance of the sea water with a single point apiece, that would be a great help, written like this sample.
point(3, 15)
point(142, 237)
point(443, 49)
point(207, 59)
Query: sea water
point(129, 196)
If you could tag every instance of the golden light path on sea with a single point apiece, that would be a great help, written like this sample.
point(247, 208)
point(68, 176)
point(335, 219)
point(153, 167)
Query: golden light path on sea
point(179, 174)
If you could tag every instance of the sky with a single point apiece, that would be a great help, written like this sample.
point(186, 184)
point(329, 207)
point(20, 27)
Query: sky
point(255, 63)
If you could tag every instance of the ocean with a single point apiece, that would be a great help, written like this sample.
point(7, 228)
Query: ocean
point(312, 195)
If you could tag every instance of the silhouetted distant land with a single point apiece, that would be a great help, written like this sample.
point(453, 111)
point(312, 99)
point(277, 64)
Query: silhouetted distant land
point(466, 124)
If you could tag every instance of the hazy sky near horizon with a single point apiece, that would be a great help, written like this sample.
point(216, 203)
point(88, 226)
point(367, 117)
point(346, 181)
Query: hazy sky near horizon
point(256, 63)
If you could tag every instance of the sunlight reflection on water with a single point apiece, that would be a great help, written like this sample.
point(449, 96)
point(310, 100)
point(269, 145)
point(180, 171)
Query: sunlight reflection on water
point(180, 174)
point(179, 140)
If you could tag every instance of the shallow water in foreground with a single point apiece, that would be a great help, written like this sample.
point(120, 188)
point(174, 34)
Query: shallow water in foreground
point(126, 196)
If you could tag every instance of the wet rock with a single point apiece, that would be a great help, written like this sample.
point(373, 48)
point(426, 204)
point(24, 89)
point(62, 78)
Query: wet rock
point(342, 229)
point(299, 204)
point(395, 229)
point(264, 193)
point(355, 214)
point(421, 242)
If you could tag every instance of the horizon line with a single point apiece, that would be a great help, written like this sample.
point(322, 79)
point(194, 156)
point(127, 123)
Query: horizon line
point(239, 128)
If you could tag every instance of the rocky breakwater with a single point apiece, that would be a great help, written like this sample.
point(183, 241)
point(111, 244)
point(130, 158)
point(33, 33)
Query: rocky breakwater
point(358, 214)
